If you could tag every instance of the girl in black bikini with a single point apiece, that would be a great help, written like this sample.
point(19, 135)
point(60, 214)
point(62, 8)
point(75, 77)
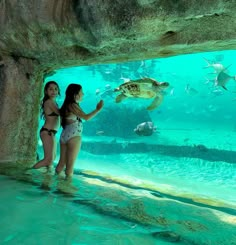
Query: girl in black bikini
point(50, 112)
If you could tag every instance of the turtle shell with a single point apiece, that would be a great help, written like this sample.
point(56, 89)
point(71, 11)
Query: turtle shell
point(142, 90)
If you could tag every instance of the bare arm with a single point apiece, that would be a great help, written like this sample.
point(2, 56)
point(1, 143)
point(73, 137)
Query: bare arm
point(74, 108)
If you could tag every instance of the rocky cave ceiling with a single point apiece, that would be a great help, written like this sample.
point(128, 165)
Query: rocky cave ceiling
point(61, 33)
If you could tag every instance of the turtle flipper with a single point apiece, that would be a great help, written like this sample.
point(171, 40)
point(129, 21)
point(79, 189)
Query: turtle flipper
point(120, 98)
point(156, 102)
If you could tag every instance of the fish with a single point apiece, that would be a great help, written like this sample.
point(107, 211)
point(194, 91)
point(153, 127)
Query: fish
point(97, 92)
point(191, 91)
point(100, 132)
point(217, 92)
point(218, 67)
point(107, 91)
point(222, 79)
point(145, 129)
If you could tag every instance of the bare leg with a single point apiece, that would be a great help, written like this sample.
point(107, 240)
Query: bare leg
point(62, 161)
point(49, 142)
point(54, 149)
point(73, 148)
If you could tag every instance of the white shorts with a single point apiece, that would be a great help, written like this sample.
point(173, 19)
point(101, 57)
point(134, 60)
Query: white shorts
point(70, 131)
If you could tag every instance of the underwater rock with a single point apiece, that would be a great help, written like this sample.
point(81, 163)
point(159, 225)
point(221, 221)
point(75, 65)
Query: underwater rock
point(195, 151)
point(202, 148)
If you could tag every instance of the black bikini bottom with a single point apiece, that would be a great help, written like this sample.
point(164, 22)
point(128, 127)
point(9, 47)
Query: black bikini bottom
point(50, 131)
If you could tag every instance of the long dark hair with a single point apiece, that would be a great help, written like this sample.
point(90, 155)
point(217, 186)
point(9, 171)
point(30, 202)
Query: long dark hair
point(46, 97)
point(71, 91)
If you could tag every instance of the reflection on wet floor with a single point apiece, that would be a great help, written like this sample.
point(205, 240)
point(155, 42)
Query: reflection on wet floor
point(91, 206)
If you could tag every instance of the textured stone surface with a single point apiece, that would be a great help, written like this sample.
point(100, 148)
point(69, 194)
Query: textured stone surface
point(19, 98)
point(88, 31)
point(38, 36)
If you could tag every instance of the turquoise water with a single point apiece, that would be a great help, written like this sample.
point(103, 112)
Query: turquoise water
point(196, 124)
point(176, 185)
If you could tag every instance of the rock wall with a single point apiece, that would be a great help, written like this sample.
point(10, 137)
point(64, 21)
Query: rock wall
point(38, 36)
point(74, 32)
point(20, 92)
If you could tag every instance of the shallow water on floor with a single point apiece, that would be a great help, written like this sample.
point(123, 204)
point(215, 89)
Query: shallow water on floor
point(39, 208)
point(33, 215)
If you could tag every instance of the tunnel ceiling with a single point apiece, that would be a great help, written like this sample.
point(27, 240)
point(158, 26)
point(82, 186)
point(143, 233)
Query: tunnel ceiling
point(62, 33)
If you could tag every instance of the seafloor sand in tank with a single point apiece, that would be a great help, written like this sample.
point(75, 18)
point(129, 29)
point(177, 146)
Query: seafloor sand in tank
point(203, 165)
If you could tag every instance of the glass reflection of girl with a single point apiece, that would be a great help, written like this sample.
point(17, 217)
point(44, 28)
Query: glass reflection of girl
point(51, 115)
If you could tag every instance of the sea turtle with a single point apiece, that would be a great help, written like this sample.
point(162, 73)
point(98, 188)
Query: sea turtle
point(142, 88)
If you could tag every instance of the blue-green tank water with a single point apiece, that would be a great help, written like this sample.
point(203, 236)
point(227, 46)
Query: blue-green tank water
point(193, 147)
point(175, 184)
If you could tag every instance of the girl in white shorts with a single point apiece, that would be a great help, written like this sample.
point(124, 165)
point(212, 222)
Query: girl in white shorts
point(70, 140)
point(71, 130)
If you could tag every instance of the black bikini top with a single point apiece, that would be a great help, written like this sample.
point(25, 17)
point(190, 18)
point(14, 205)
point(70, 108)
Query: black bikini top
point(53, 114)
